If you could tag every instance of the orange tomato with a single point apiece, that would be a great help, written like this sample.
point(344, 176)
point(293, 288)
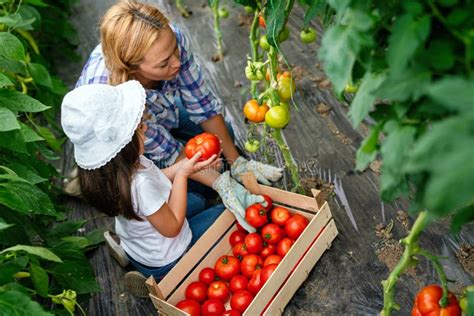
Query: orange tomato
point(254, 112)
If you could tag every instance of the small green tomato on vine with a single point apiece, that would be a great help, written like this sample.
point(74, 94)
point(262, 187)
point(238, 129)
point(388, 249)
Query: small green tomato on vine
point(252, 145)
point(223, 13)
point(277, 117)
point(308, 35)
point(264, 43)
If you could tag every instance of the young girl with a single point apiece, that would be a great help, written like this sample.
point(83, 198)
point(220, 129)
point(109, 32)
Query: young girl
point(155, 230)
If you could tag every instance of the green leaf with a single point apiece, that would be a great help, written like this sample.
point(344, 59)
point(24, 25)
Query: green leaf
point(454, 93)
point(13, 66)
point(40, 75)
point(26, 172)
point(17, 101)
point(38, 3)
point(316, 7)
point(25, 198)
point(368, 149)
point(29, 134)
point(8, 120)
point(4, 225)
point(81, 242)
point(247, 3)
point(28, 12)
point(40, 279)
point(275, 20)
point(408, 34)
point(441, 55)
point(365, 97)
point(461, 217)
point(11, 47)
point(410, 84)
point(65, 229)
point(17, 303)
point(13, 140)
point(5, 81)
point(41, 252)
point(50, 138)
point(458, 16)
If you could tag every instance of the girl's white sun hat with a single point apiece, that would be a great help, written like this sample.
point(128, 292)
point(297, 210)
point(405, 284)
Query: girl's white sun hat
point(100, 120)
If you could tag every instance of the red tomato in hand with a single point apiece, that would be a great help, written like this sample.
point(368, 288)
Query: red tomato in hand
point(226, 267)
point(236, 236)
point(269, 202)
point(280, 215)
point(190, 306)
point(241, 300)
point(196, 291)
point(254, 243)
point(206, 143)
point(256, 215)
point(272, 233)
point(255, 282)
point(212, 307)
point(207, 275)
point(240, 250)
point(284, 246)
point(267, 250)
point(238, 283)
point(250, 263)
point(272, 259)
point(267, 271)
point(295, 226)
point(427, 303)
point(218, 290)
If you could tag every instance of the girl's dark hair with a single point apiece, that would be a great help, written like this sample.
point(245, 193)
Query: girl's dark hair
point(108, 188)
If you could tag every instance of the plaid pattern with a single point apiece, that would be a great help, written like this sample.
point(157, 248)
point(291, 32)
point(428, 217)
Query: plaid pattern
point(189, 85)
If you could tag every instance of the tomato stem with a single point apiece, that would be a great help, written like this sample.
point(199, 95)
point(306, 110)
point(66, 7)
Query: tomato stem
point(407, 260)
point(254, 47)
point(443, 302)
point(184, 12)
point(217, 30)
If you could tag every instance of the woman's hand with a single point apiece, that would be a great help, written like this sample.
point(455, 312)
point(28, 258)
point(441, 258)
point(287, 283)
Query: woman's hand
point(191, 166)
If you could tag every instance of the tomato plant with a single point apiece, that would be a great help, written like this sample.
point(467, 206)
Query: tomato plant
point(207, 276)
point(286, 88)
point(256, 215)
point(207, 144)
point(295, 226)
point(218, 290)
point(254, 112)
point(252, 145)
point(277, 117)
point(223, 12)
point(241, 300)
point(196, 291)
point(308, 35)
point(191, 307)
point(264, 42)
point(212, 307)
point(226, 267)
point(427, 302)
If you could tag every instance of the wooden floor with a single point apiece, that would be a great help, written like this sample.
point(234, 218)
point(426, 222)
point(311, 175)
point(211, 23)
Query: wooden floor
point(346, 281)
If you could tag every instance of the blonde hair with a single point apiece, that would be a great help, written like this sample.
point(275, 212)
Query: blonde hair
point(127, 31)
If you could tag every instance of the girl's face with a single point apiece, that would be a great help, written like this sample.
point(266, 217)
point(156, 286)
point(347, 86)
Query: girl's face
point(161, 62)
point(142, 128)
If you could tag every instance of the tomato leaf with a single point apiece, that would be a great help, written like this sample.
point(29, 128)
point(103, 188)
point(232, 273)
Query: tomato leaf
point(40, 279)
point(18, 303)
point(463, 216)
point(402, 86)
point(368, 149)
point(453, 93)
point(275, 20)
point(365, 97)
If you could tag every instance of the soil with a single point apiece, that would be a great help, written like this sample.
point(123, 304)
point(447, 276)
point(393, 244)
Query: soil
point(375, 166)
point(465, 255)
point(326, 188)
point(323, 109)
point(340, 136)
point(402, 217)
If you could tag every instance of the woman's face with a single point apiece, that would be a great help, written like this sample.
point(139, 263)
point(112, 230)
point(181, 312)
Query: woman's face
point(161, 62)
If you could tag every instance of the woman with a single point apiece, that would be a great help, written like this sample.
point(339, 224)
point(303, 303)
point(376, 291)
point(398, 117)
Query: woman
point(137, 42)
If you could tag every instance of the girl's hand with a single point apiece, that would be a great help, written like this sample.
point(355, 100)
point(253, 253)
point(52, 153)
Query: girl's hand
point(191, 166)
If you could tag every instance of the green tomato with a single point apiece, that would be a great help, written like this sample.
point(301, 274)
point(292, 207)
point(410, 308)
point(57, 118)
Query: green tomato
point(248, 9)
point(277, 117)
point(284, 34)
point(223, 13)
point(252, 145)
point(264, 43)
point(308, 35)
point(286, 88)
point(351, 88)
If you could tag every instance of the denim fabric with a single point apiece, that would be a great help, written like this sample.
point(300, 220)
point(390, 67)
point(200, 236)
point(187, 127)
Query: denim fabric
point(199, 218)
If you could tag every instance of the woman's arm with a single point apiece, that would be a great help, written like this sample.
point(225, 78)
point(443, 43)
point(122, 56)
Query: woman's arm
point(216, 125)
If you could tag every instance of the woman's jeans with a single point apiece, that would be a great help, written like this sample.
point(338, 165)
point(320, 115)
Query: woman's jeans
point(199, 218)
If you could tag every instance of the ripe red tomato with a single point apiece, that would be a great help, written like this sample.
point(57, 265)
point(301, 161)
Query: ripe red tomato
point(250, 263)
point(284, 246)
point(427, 303)
point(207, 275)
point(269, 202)
point(212, 307)
point(206, 143)
point(190, 306)
point(254, 112)
point(238, 283)
point(255, 282)
point(280, 215)
point(232, 312)
point(254, 243)
point(295, 226)
point(196, 291)
point(218, 290)
point(240, 250)
point(272, 259)
point(272, 233)
point(267, 271)
point(241, 300)
point(256, 215)
point(239, 227)
point(226, 267)
point(236, 237)
point(267, 250)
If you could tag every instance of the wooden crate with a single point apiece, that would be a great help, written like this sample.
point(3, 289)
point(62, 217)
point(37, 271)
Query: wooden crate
point(286, 279)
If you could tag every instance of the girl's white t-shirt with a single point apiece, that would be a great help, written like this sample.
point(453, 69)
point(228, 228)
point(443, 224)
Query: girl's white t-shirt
point(140, 239)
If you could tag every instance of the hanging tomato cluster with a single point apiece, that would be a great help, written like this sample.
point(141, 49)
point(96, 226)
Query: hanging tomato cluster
point(236, 278)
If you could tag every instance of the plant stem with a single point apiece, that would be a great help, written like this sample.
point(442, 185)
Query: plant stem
point(254, 49)
point(443, 302)
point(407, 260)
point(217, 31)
point(184, 12)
